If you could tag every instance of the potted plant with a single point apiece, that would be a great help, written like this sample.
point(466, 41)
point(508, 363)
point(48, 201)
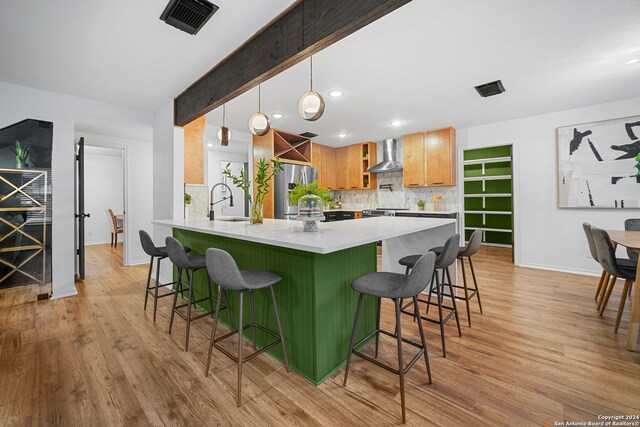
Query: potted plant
point(266, 171)
point(21, 152)
point(420, 204)
point(303, 189)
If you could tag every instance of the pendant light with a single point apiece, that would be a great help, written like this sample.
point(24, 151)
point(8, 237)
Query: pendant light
point(311, 105)
point(224, 134)
point(259, 123)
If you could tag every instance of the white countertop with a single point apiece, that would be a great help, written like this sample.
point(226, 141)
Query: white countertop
point(331, 236)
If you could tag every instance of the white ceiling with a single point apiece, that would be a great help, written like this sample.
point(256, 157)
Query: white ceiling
point(420, 65)
point(118, 50)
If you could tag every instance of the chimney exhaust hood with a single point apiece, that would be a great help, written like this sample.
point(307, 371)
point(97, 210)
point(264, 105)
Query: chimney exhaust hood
point(389, 162)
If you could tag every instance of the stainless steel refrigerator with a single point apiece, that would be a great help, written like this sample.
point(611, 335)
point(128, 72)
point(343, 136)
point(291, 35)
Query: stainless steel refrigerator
point(286, 181)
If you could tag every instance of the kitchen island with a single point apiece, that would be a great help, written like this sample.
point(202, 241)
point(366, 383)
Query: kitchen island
point(316, 302)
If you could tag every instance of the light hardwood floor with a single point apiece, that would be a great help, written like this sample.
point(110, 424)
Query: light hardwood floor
point(539, 354)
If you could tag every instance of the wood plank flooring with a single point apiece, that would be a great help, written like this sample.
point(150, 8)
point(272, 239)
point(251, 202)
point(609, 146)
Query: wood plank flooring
point(539, 354)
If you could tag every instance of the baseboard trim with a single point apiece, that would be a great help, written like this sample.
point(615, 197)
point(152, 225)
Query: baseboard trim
point(139, 262)
point(64, 295)
point(560, 270)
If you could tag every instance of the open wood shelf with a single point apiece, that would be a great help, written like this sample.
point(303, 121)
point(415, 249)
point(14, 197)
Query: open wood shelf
point(291, 148)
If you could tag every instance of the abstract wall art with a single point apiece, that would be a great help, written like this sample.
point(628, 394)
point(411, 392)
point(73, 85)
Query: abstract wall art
point(599, 164)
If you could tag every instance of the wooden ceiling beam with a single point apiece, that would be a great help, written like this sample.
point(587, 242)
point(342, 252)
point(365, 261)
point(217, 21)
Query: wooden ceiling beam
point(304, 29)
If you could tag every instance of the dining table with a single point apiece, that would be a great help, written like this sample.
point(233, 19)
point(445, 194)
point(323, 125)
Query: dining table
point(631, 240)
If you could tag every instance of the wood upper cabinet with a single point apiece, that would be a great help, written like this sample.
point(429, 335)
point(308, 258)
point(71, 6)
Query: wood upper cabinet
point(413, 160)
point(327, 170)
point(345, 168)
point(340, 168)
point(440, 153)
point(429, 158)
point(354, 169)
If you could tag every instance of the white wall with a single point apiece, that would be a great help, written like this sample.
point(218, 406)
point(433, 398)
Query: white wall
point(168, 176)
point(18, 103)
point(546, 236)
point(104, 189)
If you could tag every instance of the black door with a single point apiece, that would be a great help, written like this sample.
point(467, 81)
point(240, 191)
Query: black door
point(80, 215)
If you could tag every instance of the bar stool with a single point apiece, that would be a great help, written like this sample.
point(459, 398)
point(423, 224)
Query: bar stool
point(157, 253)
point(607, 258)
point(396, 287)
point(443, 261)
point(190, 264)
point(467, 251)
point(224, 271)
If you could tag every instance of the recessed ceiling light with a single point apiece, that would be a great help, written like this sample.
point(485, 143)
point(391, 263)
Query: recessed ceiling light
point(397, 123)
point(209, 145)
point(342, 135)
point(336, 93)
point(633, 61)
point(277, 115)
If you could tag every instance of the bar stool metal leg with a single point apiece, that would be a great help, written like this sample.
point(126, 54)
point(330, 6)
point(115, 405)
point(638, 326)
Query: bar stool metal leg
point(400, 361)
point(475, 284)
point(439, 297)
point(353, 338)
point(213, 331)
point(275, 307)
point(146, 294)
point(422, 338)
point(155, 301)
point(466, 291)
point(175, 298)
point(239, 399)
point(378, 325)
point(453, 300)
point(226, 303)
point(253, 319)
point(189, 304)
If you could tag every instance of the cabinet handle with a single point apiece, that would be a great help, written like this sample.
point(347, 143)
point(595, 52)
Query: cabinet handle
point(353, 188)
point(413, 183)
point(438, 183)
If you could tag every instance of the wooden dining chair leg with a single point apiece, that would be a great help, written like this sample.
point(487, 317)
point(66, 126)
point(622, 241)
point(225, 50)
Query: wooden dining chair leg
point(600, 283)
point(623, 299)
point(606, 297)
point(603, 290)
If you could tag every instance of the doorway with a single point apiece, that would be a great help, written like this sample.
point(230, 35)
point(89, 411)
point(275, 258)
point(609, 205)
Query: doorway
point(488, 195)
point(101, 203)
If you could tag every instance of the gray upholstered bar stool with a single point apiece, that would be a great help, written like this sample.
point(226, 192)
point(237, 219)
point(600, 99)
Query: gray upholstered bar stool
point(189, 264)
point(443, 261)
point(466, 252)
point(224, 271)
point(607, 258)
point(396, 287)
point(157, 253)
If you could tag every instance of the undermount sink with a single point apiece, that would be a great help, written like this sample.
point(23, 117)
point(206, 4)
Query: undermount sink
point(232, 218)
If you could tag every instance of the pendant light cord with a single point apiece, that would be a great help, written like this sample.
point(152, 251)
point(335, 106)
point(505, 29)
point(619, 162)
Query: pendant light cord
point(311, 79)
point(224, 111)
point(259, 94)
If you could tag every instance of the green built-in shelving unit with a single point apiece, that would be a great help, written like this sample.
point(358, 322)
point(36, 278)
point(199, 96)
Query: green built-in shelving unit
point(488, 194)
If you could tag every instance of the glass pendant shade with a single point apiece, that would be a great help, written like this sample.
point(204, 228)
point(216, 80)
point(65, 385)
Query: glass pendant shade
point(224, 135)
point(259, 124)
point(311, 106)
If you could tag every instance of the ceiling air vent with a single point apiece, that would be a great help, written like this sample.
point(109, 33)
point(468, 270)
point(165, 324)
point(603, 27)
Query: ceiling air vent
point(188, 15)
point(490, 89)
point(309, 134)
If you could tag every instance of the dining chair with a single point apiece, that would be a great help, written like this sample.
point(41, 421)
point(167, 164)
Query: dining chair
point(604, 277)
point(115, 228)
point(608, 261)
point(632, 224)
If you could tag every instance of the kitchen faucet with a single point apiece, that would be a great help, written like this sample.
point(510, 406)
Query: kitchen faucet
point(211, 213)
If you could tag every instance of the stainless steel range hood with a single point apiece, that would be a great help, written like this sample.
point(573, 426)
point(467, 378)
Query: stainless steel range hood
point(389, 161)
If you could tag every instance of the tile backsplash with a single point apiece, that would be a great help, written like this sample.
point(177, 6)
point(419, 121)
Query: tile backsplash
point(400, 197)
